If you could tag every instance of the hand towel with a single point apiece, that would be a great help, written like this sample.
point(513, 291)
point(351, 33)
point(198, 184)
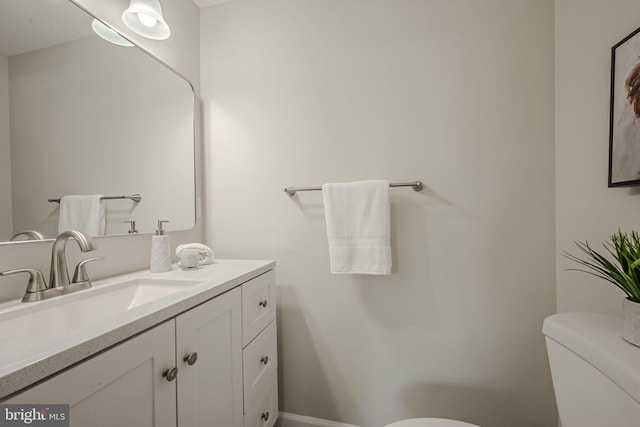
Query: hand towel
point(82, 213)
point(358, 226)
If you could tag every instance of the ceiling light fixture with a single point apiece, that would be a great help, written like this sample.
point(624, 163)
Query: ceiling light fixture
point(109, 34)
point(144, 17)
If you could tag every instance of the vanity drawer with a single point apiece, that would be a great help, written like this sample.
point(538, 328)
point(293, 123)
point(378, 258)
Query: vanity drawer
point(258, 305)
point(264, 411)
point(259, 362)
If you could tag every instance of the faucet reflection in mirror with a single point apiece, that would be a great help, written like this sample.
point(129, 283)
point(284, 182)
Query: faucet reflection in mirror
point(28, 235)
point(59, 282)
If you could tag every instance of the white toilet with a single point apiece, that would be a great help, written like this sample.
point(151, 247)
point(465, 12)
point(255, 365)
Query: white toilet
point(596, 374)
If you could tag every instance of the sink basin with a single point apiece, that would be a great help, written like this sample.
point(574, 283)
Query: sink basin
point(135, 292)
point(70, 312)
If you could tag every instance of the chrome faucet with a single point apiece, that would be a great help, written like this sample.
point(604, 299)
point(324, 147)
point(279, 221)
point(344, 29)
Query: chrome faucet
point(59, 283)
point(59, 274)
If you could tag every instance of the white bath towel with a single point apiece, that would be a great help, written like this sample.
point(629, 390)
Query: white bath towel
point(358, 226)
point(82, 213)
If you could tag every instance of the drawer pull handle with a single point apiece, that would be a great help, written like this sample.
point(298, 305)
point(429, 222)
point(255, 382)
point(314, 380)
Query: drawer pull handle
point(264, 360)
point(191, 358)
point(170, 374)
point(265, 416)
point(263, 303)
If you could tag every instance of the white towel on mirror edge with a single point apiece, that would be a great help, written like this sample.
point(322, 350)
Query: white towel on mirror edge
point(82, 213)
point(358, 226)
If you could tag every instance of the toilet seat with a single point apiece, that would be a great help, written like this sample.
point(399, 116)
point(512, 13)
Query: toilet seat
point(430, 422)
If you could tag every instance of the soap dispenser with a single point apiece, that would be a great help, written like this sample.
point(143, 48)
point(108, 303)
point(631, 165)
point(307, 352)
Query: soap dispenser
point(160, 251)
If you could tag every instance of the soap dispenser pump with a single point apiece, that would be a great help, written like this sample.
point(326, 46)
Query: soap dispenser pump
point(160, 251)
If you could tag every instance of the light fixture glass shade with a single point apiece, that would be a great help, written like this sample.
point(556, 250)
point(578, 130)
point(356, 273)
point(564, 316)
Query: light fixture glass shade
point(109, 34)
point(144, 17)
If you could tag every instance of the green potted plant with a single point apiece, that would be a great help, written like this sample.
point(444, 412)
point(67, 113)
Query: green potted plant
point(623, 271)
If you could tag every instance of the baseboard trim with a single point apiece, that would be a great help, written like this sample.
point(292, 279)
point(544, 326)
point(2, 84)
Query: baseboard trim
point(293, 420)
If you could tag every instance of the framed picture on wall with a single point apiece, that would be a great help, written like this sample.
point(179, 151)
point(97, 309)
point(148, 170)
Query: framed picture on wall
point(624, 127)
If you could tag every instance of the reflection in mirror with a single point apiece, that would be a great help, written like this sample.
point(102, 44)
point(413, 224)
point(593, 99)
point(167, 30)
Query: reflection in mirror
point(82, 116)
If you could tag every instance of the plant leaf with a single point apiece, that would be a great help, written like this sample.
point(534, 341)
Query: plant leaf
point(623, 271)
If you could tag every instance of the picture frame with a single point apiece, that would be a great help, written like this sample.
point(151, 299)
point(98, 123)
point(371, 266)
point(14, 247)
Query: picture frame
point(624, 127)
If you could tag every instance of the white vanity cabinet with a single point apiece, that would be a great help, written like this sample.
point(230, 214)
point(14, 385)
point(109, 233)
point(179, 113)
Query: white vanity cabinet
point(211, 387)
point(220, 381)
point(260, 353)
point(123, 386)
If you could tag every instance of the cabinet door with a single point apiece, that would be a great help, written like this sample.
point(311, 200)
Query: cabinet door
point(123, 386)
point(210, 390)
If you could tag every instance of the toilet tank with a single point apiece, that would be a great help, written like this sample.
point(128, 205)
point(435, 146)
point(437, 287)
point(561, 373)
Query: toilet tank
point(595, 372)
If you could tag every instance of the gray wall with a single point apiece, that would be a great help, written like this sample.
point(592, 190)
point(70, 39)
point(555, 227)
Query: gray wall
point(586, 209)
point(459, 94)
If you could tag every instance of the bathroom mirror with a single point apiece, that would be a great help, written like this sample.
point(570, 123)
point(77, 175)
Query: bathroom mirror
point(82, 116)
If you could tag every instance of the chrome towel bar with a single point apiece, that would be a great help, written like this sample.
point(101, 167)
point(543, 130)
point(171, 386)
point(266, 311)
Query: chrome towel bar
point(417, 186)
point(135, 197)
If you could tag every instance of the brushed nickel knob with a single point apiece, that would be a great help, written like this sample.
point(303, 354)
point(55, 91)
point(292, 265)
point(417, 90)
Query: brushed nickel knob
point(264, 360)
point(263, 303)
point(265, 415)
point(191, 358)
point(171, 373)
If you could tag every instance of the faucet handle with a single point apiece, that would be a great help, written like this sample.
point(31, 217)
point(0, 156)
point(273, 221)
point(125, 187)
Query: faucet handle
point(36, 284)
point(80, 273)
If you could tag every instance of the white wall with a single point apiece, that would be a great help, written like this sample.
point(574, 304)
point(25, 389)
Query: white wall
point(586, 209)
point(456, 93)
point(5, 153)
point(126, 253)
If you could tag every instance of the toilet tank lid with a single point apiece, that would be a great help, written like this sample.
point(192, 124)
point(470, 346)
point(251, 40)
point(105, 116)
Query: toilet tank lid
point(597, 338)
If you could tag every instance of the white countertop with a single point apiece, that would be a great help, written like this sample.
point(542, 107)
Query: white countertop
point(27, 360)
